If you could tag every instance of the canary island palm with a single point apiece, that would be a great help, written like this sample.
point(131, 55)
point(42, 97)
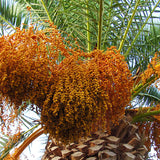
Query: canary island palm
point(66, 66)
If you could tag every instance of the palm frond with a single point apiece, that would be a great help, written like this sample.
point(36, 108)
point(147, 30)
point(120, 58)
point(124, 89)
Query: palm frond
point(12, 15)
point(8, 143)
point(149, 95)
point(129, 24)
point(142, 27)
point(28, 140)
point(141, 87)
point(28, 125)
point(88, 20)
point(147, 116)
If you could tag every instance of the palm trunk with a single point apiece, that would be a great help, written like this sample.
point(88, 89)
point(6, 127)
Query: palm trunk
point(124, 142)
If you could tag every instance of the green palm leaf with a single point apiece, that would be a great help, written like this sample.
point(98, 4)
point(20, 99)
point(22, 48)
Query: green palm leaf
point(146, 116)
point(28, 125)
point(149, 95)
point(102, 23)
point(12, 15)
point(8, 143)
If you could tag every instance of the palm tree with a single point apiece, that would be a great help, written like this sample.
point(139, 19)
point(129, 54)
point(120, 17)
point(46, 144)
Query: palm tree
point(129, 25)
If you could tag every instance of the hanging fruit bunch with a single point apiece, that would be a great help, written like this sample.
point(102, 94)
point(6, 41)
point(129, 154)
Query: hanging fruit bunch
point(153, 70)
point(79, 94)
point(24, 65)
